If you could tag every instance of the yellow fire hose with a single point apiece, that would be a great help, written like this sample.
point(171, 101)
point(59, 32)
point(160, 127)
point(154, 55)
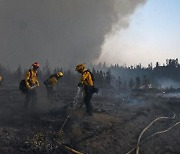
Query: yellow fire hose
point(156, 133)
point(68, 148)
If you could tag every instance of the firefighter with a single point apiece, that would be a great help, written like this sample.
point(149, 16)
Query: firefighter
point(51, 84)
point(1, 80)
point(87, 83)
point(31, 83)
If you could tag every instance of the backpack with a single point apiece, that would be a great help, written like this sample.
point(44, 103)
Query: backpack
point(22, 86)
point(47, 82)
point(94, 89)
point(92, 76)
point(53, 75)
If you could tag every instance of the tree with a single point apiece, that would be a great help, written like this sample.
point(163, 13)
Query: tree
point(125, 84)
point(119, 83)
point(46, 70)
point(145, 82)
point(131, 83)
point(40, 76)
point(19, 73)
point(101, 78)
point(157, 64)
point(104, 65)
point(138, 82)
point(108, 77)
point(150, 66)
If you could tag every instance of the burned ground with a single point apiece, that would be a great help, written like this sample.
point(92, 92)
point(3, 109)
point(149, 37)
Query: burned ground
point(119, 118)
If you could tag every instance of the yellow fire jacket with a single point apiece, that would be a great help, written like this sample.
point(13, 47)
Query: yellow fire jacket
point(31, 78)
point(52, 81)
point(1, 78)
point(86, 78)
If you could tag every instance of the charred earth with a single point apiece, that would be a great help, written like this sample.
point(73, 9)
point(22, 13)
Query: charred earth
point(119, 117)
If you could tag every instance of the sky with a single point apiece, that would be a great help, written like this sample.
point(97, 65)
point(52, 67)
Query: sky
point(69, 32)
point(64, 32)
point(152, 36)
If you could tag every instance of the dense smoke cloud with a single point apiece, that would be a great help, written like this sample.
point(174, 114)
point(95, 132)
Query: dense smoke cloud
point(65, 32)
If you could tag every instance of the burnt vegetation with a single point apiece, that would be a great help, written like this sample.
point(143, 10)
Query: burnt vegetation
point(128, 100)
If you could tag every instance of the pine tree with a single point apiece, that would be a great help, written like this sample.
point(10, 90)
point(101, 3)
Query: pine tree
point(138, 82)
point(19, 73)
point(131, 83)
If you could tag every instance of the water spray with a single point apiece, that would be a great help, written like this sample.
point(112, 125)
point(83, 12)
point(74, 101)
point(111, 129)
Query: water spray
point(79, 94)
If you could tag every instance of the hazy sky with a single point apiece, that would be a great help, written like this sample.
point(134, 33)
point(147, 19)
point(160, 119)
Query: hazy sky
point(68, 32)
point(153, 35)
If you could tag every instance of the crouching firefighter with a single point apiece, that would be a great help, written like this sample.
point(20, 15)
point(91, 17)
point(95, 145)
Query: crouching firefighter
point(51, 84)
point(87, 83)
point(32, 83)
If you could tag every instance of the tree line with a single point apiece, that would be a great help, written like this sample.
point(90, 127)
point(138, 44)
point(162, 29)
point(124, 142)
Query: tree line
point(114, 76)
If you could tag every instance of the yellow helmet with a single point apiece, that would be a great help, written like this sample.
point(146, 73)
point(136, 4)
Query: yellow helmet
point(80, 67)
point(59, 74)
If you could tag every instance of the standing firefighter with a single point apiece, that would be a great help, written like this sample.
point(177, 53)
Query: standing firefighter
point(1, 80)
point(51, 85)
point(31, 82)
point(87, 83)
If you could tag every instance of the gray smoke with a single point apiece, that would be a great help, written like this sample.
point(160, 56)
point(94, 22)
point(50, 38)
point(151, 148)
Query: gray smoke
point(168, 83)
point(65, 32)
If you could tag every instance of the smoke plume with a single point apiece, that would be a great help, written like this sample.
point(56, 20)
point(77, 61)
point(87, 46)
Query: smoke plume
point(65, 32)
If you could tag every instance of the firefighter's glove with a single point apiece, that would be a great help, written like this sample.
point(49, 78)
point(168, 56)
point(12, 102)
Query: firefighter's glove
point(33, 87)
point(80, 84)
point(30, 88)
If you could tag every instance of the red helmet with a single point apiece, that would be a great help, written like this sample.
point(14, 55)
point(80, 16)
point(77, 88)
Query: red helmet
point(35, 65)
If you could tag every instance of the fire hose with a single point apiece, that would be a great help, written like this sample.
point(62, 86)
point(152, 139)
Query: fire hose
point(139, 142)
point(75, 102)
point(68, 148)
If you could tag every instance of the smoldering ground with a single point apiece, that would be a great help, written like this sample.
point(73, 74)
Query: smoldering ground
point(65, 32)
point(118, 120)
